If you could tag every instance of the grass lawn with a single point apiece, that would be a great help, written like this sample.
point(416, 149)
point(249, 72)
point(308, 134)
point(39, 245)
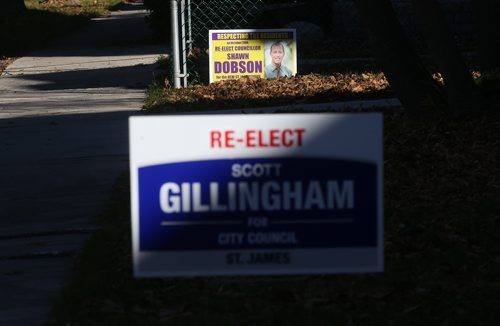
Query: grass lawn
point(442, 251)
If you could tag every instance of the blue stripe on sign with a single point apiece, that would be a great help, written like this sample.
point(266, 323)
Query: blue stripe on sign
point(258, 203)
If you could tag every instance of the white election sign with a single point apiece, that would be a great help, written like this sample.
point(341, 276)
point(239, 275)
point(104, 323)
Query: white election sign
point(256, 194)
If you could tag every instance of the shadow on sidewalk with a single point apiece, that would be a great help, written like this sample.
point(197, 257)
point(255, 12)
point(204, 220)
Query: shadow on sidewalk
point(56, 175)
point(128, 77)
point(56, 171)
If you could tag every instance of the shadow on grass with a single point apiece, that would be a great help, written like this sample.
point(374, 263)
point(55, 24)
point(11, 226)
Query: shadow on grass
point(33, 29)
point(200, 103)
point(441, 238)
point(240, 94)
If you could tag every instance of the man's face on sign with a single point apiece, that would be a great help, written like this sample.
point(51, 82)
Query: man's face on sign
point(277, 54)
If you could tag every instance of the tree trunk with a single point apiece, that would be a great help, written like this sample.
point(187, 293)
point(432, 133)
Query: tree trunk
point(461, 90)
point(12, 7)
point(400, 62)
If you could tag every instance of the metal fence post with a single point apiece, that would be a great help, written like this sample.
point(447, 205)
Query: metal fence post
point(183, 44)
point(175, 43)
point(190, 36)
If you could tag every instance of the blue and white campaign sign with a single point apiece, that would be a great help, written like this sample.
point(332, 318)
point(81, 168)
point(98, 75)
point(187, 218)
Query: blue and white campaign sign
point(256, 194)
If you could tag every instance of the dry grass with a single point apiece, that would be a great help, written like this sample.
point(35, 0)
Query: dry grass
point(92, 8)
point(253, 92)
point(249, 92)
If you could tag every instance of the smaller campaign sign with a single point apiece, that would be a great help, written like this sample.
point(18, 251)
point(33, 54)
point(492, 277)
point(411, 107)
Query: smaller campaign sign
point(256, 194)
point(259, 53)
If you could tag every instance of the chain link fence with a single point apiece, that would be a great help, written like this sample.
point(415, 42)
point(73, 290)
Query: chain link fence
point(221, 14)
point(326, 29)
point(201, 16)
point(311, 19)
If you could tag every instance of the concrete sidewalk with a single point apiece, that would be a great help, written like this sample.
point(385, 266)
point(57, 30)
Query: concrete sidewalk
point(63, 142)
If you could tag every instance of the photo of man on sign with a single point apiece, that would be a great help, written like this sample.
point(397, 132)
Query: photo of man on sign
point(276, 64)
point(256, 53)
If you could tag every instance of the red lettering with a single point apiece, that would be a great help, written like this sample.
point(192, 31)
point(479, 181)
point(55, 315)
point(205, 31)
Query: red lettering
point(250, 138)
point(274, 135)
point(215, 139)
point(286, 136)
point(258, 138)
point(229, 135)
point(261, 140)
point(299, 136)
point(219, 139)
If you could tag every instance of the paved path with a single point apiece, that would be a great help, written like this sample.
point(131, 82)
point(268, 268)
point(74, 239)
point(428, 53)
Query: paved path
point(63, 142)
